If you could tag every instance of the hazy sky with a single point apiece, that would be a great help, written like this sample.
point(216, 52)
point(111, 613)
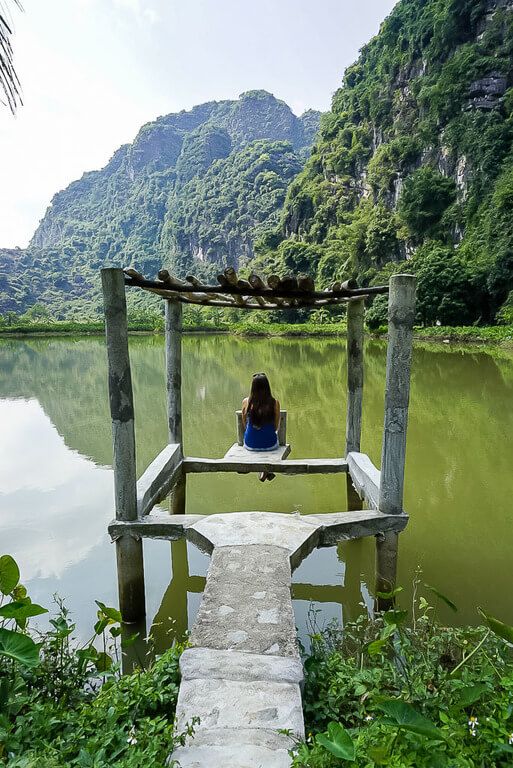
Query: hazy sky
point(93, 71)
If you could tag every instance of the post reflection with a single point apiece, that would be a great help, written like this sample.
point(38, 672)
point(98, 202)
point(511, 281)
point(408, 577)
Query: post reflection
point(135, 652)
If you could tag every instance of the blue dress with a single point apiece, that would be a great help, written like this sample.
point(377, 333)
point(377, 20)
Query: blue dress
point(262, 438)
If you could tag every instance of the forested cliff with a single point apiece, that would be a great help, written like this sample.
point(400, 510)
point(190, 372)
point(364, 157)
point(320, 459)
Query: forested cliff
point(415, 161)
point(197, 186)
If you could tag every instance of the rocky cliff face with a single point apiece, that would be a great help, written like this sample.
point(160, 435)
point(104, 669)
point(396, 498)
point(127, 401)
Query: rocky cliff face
point(141, 207)
point(417, 150)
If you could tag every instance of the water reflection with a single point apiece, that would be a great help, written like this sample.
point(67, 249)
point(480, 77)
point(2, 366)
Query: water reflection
point(47, 493)
point(56, 480)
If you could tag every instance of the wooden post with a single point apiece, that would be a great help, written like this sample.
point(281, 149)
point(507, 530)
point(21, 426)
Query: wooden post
point(355, 317)
point(173, 324)
point(386, 568)
point(240, 428)
point(355, 334)
point(401, 317)
point(128, 550)
point(282, 429)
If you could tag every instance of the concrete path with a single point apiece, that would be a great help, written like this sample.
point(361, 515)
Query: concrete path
point(243, 672)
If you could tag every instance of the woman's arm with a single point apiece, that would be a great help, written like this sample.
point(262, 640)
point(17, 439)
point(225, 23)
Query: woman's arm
point(244, 412)
point(277, 415)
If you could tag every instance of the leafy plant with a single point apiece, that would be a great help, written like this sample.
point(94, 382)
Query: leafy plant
point(64, 704)
point(385, 692)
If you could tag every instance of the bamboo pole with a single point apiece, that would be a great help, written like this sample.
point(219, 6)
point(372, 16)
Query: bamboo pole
point(128, 550)
point(401, 317)
point(272, 290)
point(173, 328)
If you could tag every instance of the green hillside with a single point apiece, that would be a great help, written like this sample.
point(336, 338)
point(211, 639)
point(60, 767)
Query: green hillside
point(415, 162)
point(412, 169)
point(193, 191)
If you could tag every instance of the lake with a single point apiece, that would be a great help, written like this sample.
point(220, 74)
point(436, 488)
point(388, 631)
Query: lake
point(56, 483)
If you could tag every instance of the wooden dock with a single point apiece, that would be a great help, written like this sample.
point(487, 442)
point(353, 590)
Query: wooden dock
point(242, 674)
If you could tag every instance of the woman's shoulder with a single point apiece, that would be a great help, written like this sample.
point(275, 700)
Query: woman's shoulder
point(245, 402)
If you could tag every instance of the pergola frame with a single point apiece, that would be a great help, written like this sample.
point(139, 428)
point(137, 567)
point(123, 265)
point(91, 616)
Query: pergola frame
point(382, 491)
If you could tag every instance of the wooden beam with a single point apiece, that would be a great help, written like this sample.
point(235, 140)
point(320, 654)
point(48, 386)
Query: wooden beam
point(157, 480)
point(285, 467)
point(269, 292)
point(212, 300)
point(355, 333)
point(365, 477)
point(333, 527)
point(170, 527)
point(342, 526)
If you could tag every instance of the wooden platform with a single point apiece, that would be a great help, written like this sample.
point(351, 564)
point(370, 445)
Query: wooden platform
point(240, 453)
point(244, 461)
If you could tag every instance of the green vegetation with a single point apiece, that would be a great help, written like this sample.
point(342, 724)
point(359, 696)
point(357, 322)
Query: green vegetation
point(321, 323)
point(222, 212)
point(62, 704)
point(393, 690)
point(192, 192)
point(416, 157)
point(384, 692)
point(412, 169)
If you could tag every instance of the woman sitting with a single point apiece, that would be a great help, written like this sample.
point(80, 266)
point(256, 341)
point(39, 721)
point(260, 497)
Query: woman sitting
point(261, 419)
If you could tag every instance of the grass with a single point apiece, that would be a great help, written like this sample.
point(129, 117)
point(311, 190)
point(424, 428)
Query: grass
point(499, 334)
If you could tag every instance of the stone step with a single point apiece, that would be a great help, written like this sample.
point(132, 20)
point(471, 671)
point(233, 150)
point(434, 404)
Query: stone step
point(235, 748)
point(235, 704)
point(198, 663)
point(246, 605)
point(235, 756)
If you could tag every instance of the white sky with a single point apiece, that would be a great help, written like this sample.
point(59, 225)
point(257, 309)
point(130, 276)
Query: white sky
point(93, 71)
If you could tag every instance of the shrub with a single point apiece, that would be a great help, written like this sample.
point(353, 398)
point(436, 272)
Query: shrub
point(505, 315)
point(445, 287)
point(425, 197)
point(377, 314)
point(381, 692)
point(67, 705)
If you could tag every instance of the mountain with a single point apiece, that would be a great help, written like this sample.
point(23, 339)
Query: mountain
point(193, 191)
point(415, 162)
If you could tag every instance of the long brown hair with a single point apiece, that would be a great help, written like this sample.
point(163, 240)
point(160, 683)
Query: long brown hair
point(261, 403)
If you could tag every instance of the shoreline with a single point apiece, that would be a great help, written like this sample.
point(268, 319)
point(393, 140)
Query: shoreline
point(498, 336)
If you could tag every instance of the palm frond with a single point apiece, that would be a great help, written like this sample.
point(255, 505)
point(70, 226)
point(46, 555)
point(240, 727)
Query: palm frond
point(9, 82)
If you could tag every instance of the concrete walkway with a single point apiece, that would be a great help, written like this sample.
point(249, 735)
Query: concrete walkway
point(243, 672)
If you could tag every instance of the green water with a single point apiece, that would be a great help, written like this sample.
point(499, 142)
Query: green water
point(56, 479)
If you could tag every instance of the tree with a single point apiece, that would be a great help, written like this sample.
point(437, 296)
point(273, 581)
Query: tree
point(425, 198)
point(445, 289)
point(37, 313)
point(377, 314)
point(8, 78)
